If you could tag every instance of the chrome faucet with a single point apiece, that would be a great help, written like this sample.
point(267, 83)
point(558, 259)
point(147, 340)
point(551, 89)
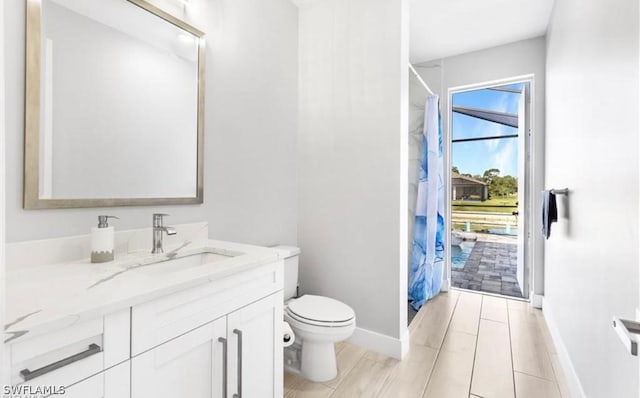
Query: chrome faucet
point(158, 230)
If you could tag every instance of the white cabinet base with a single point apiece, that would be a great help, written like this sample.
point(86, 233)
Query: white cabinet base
point(112, 383)
point(194, 364)
point(259, 362)
point(187, 366)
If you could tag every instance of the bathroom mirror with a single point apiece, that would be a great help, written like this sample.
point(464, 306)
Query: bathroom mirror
point(114, 105)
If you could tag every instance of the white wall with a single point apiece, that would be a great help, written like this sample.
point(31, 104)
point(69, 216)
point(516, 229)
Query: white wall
point(592, 126)
point(502, 62)
point(353, 160)
point(250, 129)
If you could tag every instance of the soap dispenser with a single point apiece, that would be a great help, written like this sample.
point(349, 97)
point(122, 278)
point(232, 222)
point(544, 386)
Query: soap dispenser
point(102, 241)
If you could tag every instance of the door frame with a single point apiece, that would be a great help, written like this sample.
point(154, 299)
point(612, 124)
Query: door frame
point(4, 361)
point(530, 238)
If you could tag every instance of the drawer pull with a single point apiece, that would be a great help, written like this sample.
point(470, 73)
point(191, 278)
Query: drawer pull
point(28, 374)
point(239, 334)
point(224, 366)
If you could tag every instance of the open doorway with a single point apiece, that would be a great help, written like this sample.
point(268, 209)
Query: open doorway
point(489, 133)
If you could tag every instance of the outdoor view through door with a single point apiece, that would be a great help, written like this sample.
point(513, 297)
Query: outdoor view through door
point(489, 134)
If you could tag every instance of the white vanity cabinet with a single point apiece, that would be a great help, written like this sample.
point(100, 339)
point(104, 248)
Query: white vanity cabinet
point(255, 349)
point(188, 366)
point(73, 354)
point(237, 355)
point(212, 330)
point(215, 340)
point(112, 383)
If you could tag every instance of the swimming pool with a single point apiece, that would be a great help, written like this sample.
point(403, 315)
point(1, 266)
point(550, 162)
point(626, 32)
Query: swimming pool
point(505, 231)
point(460, 253)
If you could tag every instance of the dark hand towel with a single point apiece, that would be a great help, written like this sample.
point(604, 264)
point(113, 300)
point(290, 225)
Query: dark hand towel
point(549, 212)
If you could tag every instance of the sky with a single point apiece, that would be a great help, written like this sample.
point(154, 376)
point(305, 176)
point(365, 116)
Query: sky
point(477, 156)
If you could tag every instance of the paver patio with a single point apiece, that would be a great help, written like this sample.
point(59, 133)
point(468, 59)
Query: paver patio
point(491, 266)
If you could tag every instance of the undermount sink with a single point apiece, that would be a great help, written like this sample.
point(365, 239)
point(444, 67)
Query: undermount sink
point(198, 259)
point(165, 265)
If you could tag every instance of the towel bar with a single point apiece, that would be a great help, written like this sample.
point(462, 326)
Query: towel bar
point(563, 191)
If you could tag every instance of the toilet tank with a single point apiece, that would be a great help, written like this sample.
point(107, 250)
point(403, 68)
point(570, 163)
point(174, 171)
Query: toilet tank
point(290, 255)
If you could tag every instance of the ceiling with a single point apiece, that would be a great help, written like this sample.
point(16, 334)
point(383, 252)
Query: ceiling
point(442, 28)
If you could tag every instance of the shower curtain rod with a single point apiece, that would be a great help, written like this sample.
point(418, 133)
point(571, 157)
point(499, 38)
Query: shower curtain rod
point(421, 80)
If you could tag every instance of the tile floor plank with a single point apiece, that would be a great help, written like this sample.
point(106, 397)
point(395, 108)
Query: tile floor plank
point(365, 379)
point(517, 305)
point(467, 313)
point(290, 380)
point(459, 342)
point(417, 318)
point(494, 309)
point(563, 385)
point(529, 350)
point(297, 387)
point(451, 376)
point(409, 378)
point(430, 329)
point(534, 387)
point(546, 335)
point(375, 356)
point(492, 369)
point(348, 356)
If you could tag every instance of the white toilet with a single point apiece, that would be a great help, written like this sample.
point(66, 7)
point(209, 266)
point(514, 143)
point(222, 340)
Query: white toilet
point(318, 323)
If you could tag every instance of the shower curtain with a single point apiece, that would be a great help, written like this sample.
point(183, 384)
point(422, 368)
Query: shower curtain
point(427, 255)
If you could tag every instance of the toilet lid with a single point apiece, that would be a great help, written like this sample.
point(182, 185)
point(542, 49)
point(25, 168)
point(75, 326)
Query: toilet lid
point(321, 309)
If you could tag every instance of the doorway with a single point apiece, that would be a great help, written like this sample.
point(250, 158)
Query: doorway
point(489, 204)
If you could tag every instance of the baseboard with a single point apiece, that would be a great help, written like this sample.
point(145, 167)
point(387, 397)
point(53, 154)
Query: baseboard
point(381, 343)
point(446, 285)
point(563, 355)
point(537, 300)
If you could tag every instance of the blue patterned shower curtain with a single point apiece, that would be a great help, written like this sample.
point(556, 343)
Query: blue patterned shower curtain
point(427, 256)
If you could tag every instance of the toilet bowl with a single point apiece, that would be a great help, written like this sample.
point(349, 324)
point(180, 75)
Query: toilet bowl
point(317, 322)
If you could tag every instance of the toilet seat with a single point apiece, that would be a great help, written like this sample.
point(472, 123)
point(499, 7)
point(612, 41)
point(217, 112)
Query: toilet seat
point(309, 322)
point(320, 311)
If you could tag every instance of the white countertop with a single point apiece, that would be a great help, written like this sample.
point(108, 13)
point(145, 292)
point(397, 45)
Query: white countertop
point(43, 298)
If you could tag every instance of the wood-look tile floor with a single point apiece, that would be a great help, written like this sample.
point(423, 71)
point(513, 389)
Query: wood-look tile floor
point(463, 345)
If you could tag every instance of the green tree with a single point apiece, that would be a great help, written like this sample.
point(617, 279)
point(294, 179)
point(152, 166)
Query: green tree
point(490, 174)
point(499, 185)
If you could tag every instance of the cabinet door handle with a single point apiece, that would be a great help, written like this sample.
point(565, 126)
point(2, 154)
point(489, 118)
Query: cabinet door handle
point(224, 366)
point(28, 374)
point(238, 332)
